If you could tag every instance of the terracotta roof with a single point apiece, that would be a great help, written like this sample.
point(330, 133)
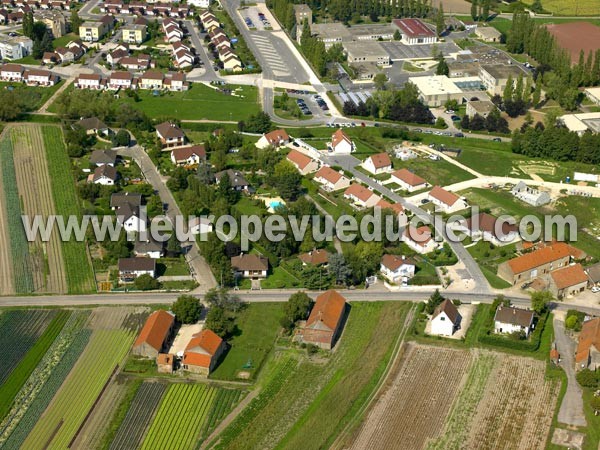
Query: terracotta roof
point(413, 28)
point(444, 196)
point(554, 354)
point(12, 68)
point(396, 207)
point(393, 262)
point(153, 75)
point(569, 276)
point(121, 76)
point(315, 257)
point(447, 307)
point(156, 329)
point(420, 236)
point(514, 316)
point(207, 340)
point(38, 73)
point(169, 130)
point(487, 223)
point(183, 153)
point(249, 262)
point(538, 258)
point(381, 160)
point(408, 177)
point(359, 191)
point(327, 311)
point(164, 359)
point(338, 137)
point(589, 336)
point(327, 173)
point(299, 159)
point(196, 359)
point(277, 136)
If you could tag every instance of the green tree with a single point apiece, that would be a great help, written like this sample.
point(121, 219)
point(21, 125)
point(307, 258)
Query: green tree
point(338, 268)
point(287, 180)
point(146, 282)
point(440, 23)
point(485, 9)
point(507, 94)
point(588, 378)
point(28, 24)
point(442, 68)
point(121, 138)
point(434, 301)
point(537, 94)
point(397, 35)
point(540, 300)
point(295, 309)
point(222, 298)
point(474, 14)
point(380, 81)
point(258, 123)
point(76, 21)
point(571, 322)
point(219, 321)
point(10, 106)
point(187, 309)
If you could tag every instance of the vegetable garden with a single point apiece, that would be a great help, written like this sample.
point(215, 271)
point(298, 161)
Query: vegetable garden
point(180, 417)
point(80, 278)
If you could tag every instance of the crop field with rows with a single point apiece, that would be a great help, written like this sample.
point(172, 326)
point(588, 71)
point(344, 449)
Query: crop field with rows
point(180, 417)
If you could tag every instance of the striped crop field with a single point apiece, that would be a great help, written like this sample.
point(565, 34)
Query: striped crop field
point(180, 417)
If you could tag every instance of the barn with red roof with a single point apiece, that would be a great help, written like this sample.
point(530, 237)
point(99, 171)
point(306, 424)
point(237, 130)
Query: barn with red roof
point(155, 335)
point(203, 352)
point(324, 324)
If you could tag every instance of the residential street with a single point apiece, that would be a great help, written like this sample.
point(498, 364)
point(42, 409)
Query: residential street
point(198, 266)
point(571, 408)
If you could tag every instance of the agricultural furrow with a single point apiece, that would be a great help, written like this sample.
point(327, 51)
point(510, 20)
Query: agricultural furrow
point(6, 275)
point(33, 180)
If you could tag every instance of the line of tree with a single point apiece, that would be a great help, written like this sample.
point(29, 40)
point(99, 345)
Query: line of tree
point(39, 34)
point(314, 50)
point(558, 143)
point(480, 9)
point(402, 105)
point(494, 123)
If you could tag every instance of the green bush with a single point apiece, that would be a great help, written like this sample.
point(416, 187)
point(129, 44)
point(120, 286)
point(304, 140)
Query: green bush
point(589, 378)
point(531, 345)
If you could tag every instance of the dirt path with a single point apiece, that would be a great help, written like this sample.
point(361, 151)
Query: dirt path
point(44, 108)
point(230, 418)
point(35, 189)
point(6, 276)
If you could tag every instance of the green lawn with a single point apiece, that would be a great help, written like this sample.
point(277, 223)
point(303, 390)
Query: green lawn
point(489, 257)
point(64, 40)
point(172, 267)
point(257, 327)
point(200, 102)
point(439, 172)
point(280, 279)
point(32, 97)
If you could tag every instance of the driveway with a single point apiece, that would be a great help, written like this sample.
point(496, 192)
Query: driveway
point(198, 266)
point(571, 409)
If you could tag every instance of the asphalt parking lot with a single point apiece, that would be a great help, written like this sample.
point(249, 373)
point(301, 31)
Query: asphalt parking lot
point(398, 51)
point(253, 20)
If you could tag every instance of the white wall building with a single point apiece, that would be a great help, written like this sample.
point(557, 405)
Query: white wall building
point(445, 319)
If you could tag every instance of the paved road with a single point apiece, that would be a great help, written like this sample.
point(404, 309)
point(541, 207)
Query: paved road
point(197, 40)
point(349, 163)
point(200, 269)
point(571, 408)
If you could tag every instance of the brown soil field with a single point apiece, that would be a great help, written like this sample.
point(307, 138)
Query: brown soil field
point(454, 6)
point(412, 409)
point(35, 190)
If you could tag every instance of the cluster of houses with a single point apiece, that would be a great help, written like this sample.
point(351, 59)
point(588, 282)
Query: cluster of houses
point(138, 8)
point(120, 57)
point(201, 354)
point(182, 54)
point(149, 80)
point(221, 42)
point(13, 11)
point(547, 266)
point(64, 55)
point(31, 77)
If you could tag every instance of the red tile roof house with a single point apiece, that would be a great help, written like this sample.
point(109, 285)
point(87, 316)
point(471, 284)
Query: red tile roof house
point(379, 163)
point(489, 228)
point(316, 257)
point(203, 352)
point(277, 138)
point(414, 31)
point(188, 156)
point(534, 264)
point(395, 268)
point(250, 266)
point(324, 324)
point(170, 135)
point(361, 196)
point(341, 143)
point(420, 239)
point(305, 164)
point(568, 281)
point(330, 179)
point(448, 202)
point(588, 347)
point(408, 181)
point(155, 335)
point(131, 268)
point(396, 207)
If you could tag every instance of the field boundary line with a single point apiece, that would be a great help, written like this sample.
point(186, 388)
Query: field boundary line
point(381, 383)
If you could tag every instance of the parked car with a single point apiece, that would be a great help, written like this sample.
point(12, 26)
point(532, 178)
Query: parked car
point(459, 135)
point(418, 130)
point(424, 201)
point(497, 139)
point(455, 118)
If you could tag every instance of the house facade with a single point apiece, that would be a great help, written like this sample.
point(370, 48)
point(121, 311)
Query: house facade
point(341, 144)
point(324, 324)
point(131, 268)
point(155, 335)
point(303, 163)
point(361, 196)
point(331, 180)
point(397, 269)
point(203, 352)
point(445, 320)
point(250, 266)
point(378, 163)
point(568, 281)
point(534, 264)
point(419, 239)
point(276, 138)
point(588, 347)
point(408, 181)
point(448, 202)
point(509, 320)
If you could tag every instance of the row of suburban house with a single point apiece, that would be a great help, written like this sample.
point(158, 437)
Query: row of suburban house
point(154, 80)
point(182, 54)
point(32, 77)
point(13, 11)
point(146, 8)
point(62, 55)
point(221, 42)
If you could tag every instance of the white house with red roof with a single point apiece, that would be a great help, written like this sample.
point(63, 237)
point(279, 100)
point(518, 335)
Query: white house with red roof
point(361, 196)
point(378, 163)
point(276, 138)
point(408, 180)
point(414, 31)
point(331, 180)
point(341, 144)
point(303, 163)
point(419, 239)
point(445, 200)
point(396, 268)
